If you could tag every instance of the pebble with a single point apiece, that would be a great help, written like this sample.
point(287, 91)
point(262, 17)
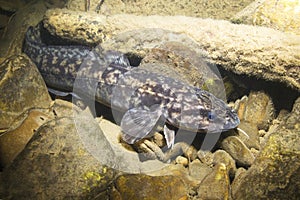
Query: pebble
point(238, 151)
point(275, 172)
point(218, 182)
point(205, 156)
point(199, 170)
point(182, 160)
point(257, 109)
point(140, 186)
point(221, 156)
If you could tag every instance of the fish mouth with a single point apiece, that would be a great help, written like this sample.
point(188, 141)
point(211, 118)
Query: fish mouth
point(231, 122)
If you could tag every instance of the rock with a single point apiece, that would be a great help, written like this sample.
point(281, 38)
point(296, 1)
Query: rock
point(238, 151)
point(220, 10)
point(179, 61)
point(22, 88)
point(205, 157)
point(218, 181)
point(199, 170)
point(245, 16)
point(178, 171)
point(258, 109)
point(275, 56)
point(252, 141)
point(151, 150)
point(190, 153)
point(149, 187)
point(12, 142)
point(275, 172)
point(221, 156)
point(159, 139)
point(237, 179)
point(281, 15)
point(56, 165)
point(1, 186)
point(176, 59)
point(24, 105)
point(25, 15)
point(256, 112)
point(123, 159)
point(182, 160)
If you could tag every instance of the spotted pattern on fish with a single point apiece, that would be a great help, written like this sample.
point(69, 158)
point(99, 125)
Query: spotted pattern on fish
point(144, 96)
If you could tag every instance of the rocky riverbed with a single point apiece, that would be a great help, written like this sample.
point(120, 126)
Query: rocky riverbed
point(57, 148)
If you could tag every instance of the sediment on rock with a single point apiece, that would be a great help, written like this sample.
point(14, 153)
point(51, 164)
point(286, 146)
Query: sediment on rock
point(255, 51)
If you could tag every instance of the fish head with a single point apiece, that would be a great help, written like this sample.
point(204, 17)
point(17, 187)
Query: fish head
point(215, 114)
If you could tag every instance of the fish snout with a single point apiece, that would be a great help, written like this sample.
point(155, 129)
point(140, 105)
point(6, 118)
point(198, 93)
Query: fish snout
point(231, 119)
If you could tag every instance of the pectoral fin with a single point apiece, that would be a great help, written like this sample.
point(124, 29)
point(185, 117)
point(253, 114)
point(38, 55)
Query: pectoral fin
point(61, 93)
point(137, 123)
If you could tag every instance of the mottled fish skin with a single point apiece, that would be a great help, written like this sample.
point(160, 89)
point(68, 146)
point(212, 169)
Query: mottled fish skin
point(146, 97)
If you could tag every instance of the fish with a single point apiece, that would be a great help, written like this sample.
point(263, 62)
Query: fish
point(146, 98)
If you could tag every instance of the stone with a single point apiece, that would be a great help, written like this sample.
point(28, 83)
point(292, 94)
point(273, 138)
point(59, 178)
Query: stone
point(205, 157)
point(281, 15)
point(256, 113)
point(275, 57)
point(258, 110)
point(22, 88)
point(27, 14)
point(245, 16)
point(139, 186)
point(56, 165)
point(221, 156)
point(252, 141)
point(177, 60)
point(12, 142)
point(178, 171)
point(275, 171)
point(181, 160)
point(237, 179)
point(238, 151)
point(159, 139)
point(199, 170)
point(126, 159)
point(218, 181)
point(221, 10)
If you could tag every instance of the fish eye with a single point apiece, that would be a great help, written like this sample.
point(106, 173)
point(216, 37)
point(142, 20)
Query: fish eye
point(211, 116)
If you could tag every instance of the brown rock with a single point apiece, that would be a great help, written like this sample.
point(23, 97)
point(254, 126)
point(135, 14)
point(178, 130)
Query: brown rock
point(215, 185)
point(205, 157)
point(56, 165)
point(221, 10)
point(22, 88)
point(26, 15)
point(238, 151)
point(181, 160)
point(139, 186)
point(282, 15)
point(199, 170)
point(13, 141)
point(221, 156)
point(237, 179)
point(263, 53)
point(275, 172)
point(259, 110)
point(252, 141)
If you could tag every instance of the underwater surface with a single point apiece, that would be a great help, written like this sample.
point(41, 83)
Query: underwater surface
point(128, 99)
